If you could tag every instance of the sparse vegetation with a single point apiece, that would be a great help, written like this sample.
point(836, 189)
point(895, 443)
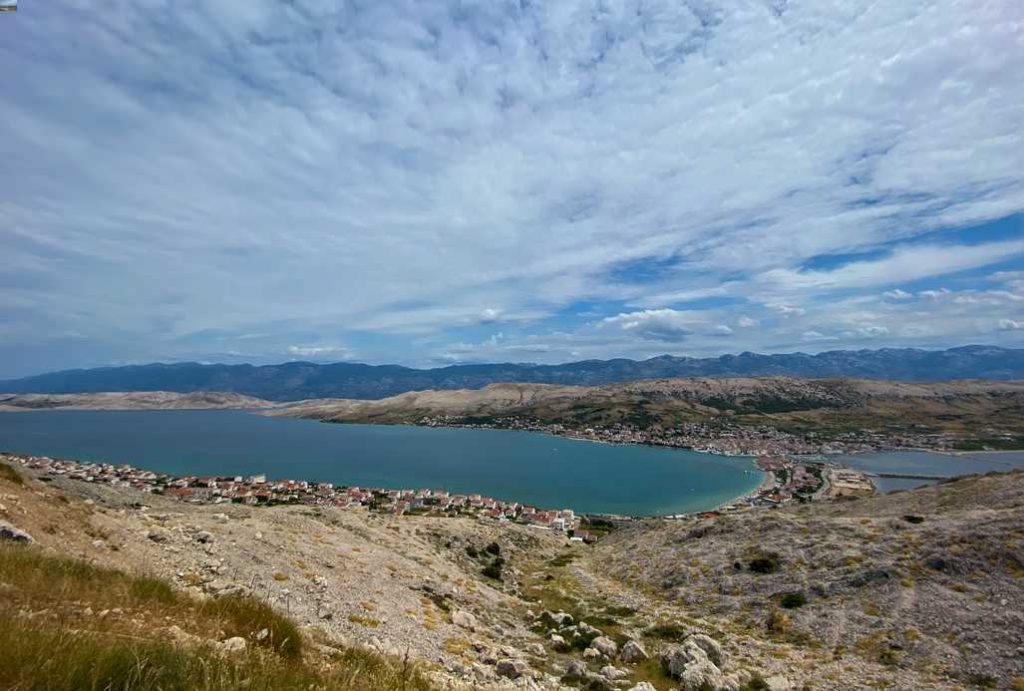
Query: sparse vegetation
point(793, 600)
point(764, 563)
point(10, 474)
point(493, 570)
point(73, 644)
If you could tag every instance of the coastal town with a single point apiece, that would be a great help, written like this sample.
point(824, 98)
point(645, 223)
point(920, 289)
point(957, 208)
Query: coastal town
point(257, 490)
point(785, 481)
point(718, 437)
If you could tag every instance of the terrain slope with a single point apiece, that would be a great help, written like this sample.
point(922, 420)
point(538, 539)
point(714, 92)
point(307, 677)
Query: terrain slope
point(918, 590)
point(974, 409)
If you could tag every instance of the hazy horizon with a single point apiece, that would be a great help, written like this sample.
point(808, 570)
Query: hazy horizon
point(269, 363)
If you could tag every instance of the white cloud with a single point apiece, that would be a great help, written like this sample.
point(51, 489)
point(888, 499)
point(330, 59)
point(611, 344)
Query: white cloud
point(902, 265)
point(873, 331)
point(415, 162)
point(319, 351)
point(898, 294)
point(490, 315)
point(814, 336)
point(722, 330)
point(789, 311)
point(662, 325)
point(746, 322)
point(1011, 325)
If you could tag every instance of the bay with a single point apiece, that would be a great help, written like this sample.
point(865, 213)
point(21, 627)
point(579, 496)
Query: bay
point(926, 463)
point(532, 468)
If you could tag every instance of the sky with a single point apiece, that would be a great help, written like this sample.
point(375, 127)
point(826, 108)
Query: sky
point(427, 183)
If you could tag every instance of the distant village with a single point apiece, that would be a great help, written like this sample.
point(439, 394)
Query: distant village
point(257, 490)
point(719, 437)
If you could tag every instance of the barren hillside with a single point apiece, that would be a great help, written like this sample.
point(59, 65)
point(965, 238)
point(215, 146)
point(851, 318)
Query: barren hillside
point(920, 590)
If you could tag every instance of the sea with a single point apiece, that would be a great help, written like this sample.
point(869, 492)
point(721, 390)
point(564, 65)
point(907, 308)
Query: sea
point(927, 463)
point(529, 467)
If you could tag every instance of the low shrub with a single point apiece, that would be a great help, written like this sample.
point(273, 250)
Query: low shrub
point(793, 600)
point(764, 563)
point(493, 570)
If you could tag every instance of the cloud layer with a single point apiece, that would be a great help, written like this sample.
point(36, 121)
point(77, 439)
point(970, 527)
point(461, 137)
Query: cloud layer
point(399, 181)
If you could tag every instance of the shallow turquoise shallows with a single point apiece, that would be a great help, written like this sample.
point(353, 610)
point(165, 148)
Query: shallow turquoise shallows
point(538, 469)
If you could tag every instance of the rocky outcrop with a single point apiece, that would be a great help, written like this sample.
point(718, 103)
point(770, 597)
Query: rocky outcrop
point(9, 532)
point(633, 651)
point(606, 646)
point(696, 663)
point(511, 669)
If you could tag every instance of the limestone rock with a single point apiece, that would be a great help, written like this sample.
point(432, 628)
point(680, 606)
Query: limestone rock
point(159, 535)
point(632, 651)
point(613, 673)
point(558, 643)
point(511, 669)
point(575, 670)
point(9, 532)
point(778, 682)
point(605, 646)
point(710, 646)
point(692, 665)
point(464, 619)
point(233, 646)
point(643, 686)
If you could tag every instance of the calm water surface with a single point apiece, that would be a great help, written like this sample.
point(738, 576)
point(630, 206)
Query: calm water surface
point(925, 463)
point(539, 469)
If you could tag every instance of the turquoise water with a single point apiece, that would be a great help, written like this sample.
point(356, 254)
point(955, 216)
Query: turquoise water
point(538, 469)
point(926, 463)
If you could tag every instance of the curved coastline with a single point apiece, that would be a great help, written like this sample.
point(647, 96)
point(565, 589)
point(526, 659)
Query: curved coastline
point(594, 479)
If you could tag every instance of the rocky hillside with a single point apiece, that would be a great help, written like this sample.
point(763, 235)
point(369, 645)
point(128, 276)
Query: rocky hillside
point(920, 590)
point(982, 409)
point(146, 400)
point(926, 580)
point(293, 381)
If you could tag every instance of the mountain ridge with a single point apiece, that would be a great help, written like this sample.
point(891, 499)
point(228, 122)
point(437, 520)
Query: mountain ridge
point(298, 380)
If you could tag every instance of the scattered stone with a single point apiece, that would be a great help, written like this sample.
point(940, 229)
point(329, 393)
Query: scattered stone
point(511, 669)
point(558, 643)
point(159, 535)
point(263, 634)
point(464, 619)
point(575, 670)
point(233, 646)
point(204, 537)
point(592, 654)
point(536, 649)
point(613, 673)
point(643, 686)
point(778, 682)
point(632, 651)
point(9, 532)
point(691, 664)
point(98, 544)
point(605, 646)
point(710, 646)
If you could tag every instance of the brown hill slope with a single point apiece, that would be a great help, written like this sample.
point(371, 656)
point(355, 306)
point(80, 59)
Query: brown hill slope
point(132, 400)
point(970, 408)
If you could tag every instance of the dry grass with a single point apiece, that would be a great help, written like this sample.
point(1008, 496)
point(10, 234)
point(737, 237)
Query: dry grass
point(67, 624)
point(10, 474)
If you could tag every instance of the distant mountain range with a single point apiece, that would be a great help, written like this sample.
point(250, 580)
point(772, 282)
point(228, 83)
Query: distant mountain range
point(302, 380)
